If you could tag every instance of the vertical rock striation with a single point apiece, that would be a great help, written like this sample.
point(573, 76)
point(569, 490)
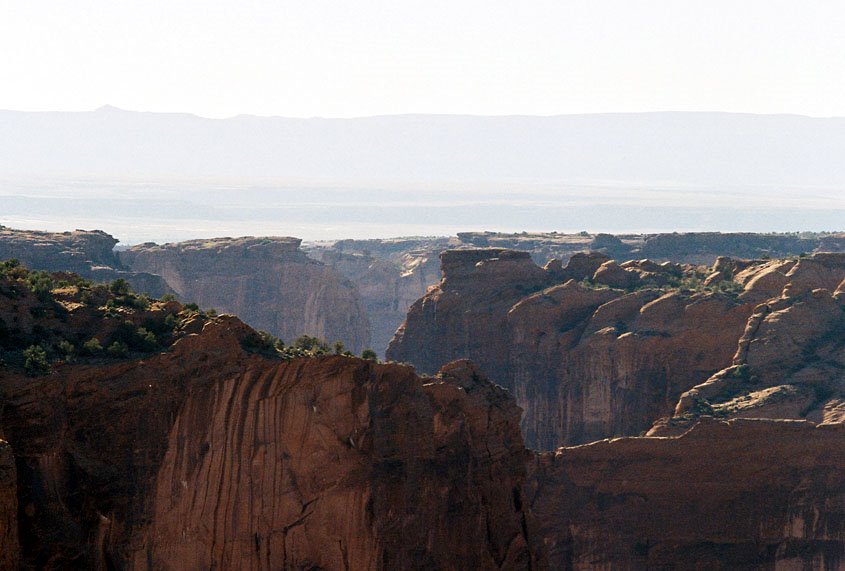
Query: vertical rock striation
point(269, 282)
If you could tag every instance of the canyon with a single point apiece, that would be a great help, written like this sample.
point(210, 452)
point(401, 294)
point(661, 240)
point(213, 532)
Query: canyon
point(211, 449)
point(269, 282)
point(360, 291)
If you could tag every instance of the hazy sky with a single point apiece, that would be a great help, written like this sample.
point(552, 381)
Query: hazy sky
point(343, 58)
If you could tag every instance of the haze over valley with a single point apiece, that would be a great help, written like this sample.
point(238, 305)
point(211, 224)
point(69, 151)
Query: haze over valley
point(167, 177)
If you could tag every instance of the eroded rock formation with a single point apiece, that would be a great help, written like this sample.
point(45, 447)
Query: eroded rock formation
point(269, 282)
point(605, 356)
point(88, 253)
point(206, 453)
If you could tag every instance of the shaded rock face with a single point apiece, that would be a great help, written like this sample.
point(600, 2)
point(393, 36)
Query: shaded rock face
point(327, 465)
point(583, 362)
point(210, 457)
point(269, 282)
point(9, 546)
point(87, 253)
point(744, 494)
point(587, 362)
point(390, 275)
point(458, 318)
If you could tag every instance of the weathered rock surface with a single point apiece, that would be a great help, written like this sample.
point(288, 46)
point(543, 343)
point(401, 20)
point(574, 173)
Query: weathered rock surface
point(587, 363)
point(790, 359)
point(584, 363)
point(209, 455)
point(744, 494)
point(391, 274)
point(87, 253)
point(328, 464)
point(269, 282)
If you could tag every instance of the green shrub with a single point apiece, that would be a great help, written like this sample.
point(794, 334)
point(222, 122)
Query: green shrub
point(168, 297)
point(65, 348)
point(145, 340)
point(35, 361)
point(41, 284)
point(91, 347)
point(118, 349)
point(369, 355)
point(120, 287)
point(313, 345)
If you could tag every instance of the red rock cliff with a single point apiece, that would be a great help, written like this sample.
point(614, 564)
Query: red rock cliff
point(210, 457)
point(602, 357)
point(744, 494)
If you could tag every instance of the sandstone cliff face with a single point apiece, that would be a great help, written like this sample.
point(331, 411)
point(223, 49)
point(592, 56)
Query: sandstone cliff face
point(269, 282)
point(209, 456)
point(87, 253)
point(790, 358)
point(583, 363)
point(328, 465)
point(587, 362)
point(744, 494)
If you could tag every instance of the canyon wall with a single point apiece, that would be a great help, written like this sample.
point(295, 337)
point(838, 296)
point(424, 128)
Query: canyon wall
point(207, 454)
point(595, 349)
point(211, 451)
point(742, 494)
point(390, 275)
point(269, 282)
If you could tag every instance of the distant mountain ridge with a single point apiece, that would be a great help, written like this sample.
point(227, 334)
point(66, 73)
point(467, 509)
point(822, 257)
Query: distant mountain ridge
point(676, 149)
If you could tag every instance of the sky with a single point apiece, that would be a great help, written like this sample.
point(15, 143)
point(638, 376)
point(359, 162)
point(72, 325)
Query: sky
point(372, 57)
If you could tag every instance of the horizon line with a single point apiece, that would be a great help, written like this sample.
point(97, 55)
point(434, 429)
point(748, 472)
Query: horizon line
point(108, 108)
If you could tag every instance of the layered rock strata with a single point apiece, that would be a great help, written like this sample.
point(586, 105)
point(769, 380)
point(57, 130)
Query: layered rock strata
point(87, 253)
point(207, 453)
point(741, 494)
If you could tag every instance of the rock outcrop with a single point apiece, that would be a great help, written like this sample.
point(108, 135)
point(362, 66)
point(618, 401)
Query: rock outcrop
point(790, 359)
point(269, 282)
point(606, 356)
point(743, 494)
point(211, 450)
point(210, 455)
point(88, 253)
